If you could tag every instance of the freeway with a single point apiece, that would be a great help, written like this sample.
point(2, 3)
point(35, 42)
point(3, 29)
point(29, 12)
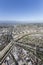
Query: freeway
point(31, 49)
point(5, 52)
point(7, 49)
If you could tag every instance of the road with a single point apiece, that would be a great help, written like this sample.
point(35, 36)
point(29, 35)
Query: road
point(7, 49)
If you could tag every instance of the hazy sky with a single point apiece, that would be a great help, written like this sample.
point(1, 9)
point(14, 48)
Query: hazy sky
point(21, 10)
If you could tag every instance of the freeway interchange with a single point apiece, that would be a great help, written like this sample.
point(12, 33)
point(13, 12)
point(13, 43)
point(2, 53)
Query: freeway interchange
point(8, 48)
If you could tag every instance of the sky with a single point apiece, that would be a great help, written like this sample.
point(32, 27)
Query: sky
point(21, 10)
